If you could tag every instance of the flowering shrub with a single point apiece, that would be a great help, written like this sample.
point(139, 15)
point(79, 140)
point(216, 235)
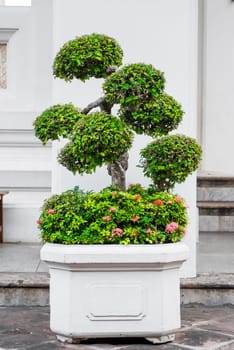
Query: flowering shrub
point(136, 216)
point(98, 137)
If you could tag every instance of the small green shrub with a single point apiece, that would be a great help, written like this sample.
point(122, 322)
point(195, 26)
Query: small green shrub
point(104, 136)
point(62, 215)
point(113, 217)
point(56, 121)
point(133, 84)
point(87, 56)
point(169, 160)
point(153, 118)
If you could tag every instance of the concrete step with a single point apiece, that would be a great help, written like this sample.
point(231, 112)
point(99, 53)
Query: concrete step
point(24, 289)
point(216, 216)
point(216, 223)
point(32, 289)
point(216, 208)
point(215, 188)
point(215, 202)
point(208, 289)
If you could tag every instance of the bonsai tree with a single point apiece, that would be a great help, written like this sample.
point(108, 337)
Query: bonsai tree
point(96, 137)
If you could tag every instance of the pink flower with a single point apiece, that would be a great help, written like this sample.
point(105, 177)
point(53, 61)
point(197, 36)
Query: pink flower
point(39, 222)
point(135, 233)
point(149, 230)
point(169, 202)
point(158, 202)
point(137, 196)
point(186, 206)
point(172, 227)
point(135, 218)
point(112, 210)
point(50, 211)
point(178, 199)
point(116, 231)
point(106, 218)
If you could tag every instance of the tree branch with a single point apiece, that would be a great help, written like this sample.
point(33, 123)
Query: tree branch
point(111, 69)
point(92, 105)
point(100, 102)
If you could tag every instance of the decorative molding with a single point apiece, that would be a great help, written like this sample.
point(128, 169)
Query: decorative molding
point(25, 189)
point(20, 138)
point(5, 34)
point(25, 180)
point(18, 120)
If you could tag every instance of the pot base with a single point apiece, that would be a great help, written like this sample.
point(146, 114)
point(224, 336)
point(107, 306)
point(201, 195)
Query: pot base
point(157, 340)
point(162, 339)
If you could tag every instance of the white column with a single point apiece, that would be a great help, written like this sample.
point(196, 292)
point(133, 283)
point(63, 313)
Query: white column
point(218, 78)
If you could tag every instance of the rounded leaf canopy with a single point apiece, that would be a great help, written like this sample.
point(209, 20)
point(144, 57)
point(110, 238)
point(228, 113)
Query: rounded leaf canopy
point(153, 118)
point(97, 139)
point(56, 121)
point(170, 159)
point(87, 56)
point(133, 84)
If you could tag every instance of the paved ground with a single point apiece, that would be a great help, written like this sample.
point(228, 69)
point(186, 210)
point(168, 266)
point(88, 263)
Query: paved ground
point(214, 255)
point(25, 328)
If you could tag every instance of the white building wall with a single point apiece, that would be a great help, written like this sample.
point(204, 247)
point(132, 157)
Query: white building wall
point(25, 166)
point(218, 87)
point(161, 32)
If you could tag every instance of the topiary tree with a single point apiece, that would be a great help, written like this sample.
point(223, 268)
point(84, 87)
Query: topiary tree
point(98, 138)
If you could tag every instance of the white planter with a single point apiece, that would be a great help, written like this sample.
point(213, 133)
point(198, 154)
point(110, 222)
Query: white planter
point(115, 290)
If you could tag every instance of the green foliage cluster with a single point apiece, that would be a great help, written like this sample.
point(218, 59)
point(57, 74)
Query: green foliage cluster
point(170, 159)
point(96, 139)
point(136, 216)
point(87, 56)
point(156, 117)
point(56, 121)
point(101, 138)
point(133, 84)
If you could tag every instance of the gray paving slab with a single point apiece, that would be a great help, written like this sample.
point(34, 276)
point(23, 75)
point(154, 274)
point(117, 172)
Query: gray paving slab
point(21, 257)
point(214, 255)
point(27, 328)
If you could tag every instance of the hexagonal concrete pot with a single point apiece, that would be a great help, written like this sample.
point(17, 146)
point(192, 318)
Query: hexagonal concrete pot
point(115, 290)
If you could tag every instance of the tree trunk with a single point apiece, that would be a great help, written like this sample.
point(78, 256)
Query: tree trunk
point(117, 171)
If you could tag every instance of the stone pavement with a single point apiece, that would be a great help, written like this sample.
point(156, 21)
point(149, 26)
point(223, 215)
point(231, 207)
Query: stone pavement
point(214, 255)
point(203, 327)
point(27, 328)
